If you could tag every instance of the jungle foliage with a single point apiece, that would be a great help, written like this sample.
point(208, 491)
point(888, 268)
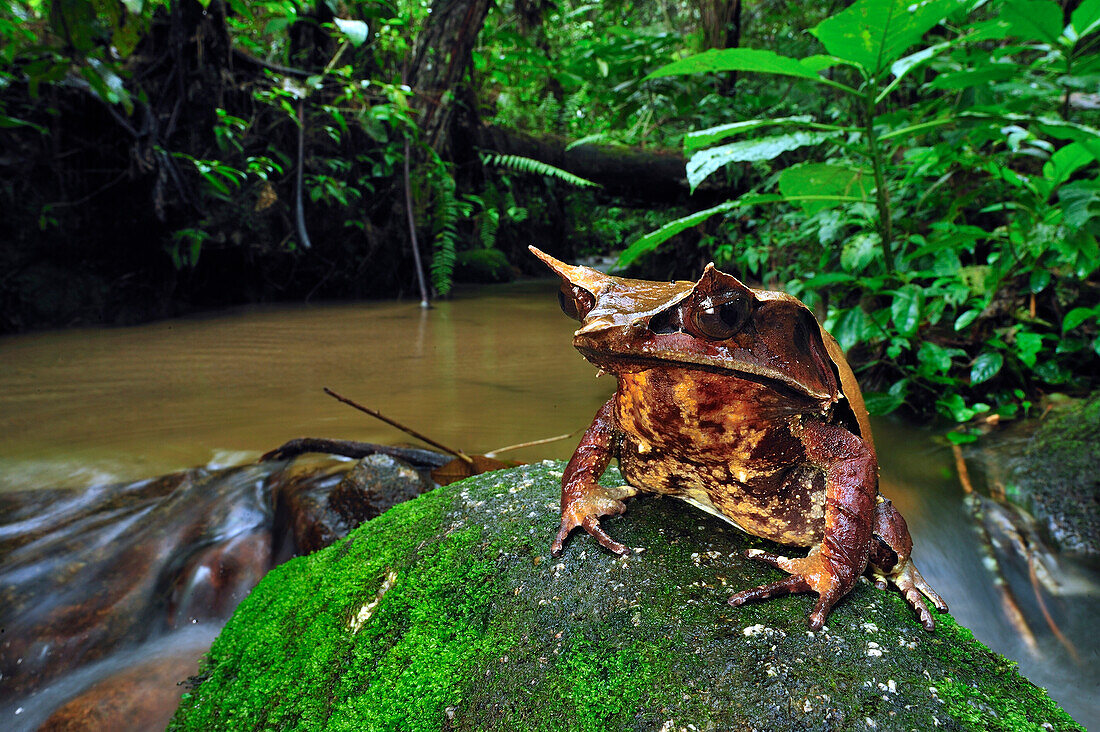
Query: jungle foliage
point(924, 175)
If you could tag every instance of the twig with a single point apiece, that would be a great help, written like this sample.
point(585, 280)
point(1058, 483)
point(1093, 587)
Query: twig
point(1046, 613)
point(285, 70)
point(1009, 604)
point(424, 303)
point(532, 443)
point(960, 466)
point(407, 430)
point(299, 207)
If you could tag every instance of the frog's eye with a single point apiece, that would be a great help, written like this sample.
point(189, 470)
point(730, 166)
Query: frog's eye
point(575, 301)
point(718, 320)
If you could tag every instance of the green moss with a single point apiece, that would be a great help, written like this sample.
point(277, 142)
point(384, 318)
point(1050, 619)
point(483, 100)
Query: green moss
point(473, 626)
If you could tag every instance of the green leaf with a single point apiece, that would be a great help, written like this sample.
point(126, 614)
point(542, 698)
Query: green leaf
point(961, 438)
point(1034, 20)
point(1065, 163)
point(880, 403)
point(934, 358)
point(906, 308)
point(859, 251)
point(705, 162)
point(703, 138)
point(1079, 201)
point(1038, 280)
point(1086, 18)
point(876, 33)
point(1077, 316)
point(824, 179)
point(1052, 372)
point(966, 318)
point(955, 407)
point(6, 121)
point(905, 64)
point(356, 31)
point(829, 278)
point(981, 76)
point(986, 366)
point(852, 327)
point(1028, 346)
point(537, 167)
point(650, 241)
point(740, 59)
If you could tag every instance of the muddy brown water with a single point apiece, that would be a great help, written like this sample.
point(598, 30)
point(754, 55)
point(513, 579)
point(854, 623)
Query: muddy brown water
point(490, 368)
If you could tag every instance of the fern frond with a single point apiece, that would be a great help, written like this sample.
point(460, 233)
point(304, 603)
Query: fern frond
point(490, 222)
point(530, 165)
point(445, 244)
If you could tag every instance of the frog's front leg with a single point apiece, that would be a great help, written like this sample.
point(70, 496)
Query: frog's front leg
point(891, 563)
point(583, 500)
point(851, 483)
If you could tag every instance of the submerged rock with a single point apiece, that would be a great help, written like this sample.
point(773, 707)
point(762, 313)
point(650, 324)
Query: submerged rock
point(447, 612)
point(1057, 477)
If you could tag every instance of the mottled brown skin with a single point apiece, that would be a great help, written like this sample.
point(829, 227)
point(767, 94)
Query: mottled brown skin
point(737, 400)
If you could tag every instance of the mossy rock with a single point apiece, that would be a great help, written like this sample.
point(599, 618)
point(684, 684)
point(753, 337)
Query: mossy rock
point(1057, 477)
point(447, 612)
point(483, 265)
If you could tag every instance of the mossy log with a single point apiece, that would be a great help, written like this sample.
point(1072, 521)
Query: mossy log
point(447, 612)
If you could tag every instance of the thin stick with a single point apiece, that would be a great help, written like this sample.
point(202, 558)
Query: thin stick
point(543, 441)
point(299, 207)
point(960, 468)
point(1009, 604)
point(424, 302)
point(407, 430)
point(1031, 575)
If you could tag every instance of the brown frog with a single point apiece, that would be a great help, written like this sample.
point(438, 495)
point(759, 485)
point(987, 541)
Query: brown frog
point(737, 400)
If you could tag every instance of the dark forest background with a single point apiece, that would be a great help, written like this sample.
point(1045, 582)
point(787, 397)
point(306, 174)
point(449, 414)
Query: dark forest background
point(924, 175)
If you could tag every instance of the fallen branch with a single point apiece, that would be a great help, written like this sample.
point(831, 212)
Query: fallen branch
point(407, 430)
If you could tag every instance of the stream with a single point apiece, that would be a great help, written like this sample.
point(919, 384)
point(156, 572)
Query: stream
point(490, 368)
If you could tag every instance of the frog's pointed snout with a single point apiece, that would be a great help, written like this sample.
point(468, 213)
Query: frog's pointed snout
point(585, 277)
point(550, 261)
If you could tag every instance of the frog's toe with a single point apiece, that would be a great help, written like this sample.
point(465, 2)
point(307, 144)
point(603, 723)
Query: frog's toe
point(808, 574)
point(776, 560)
point(592, 526)
point(585, 511)
point(787, 586)
point(907, 578)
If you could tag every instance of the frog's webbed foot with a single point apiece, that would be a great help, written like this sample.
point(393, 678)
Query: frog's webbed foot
point(907, 579)
point(813, 573)
point(585, 508)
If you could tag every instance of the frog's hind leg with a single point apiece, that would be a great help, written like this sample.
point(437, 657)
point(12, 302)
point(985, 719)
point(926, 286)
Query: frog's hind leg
point(891, 563)
point(832, 568)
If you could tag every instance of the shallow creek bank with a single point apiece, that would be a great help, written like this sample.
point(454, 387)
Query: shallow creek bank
point(447, 612)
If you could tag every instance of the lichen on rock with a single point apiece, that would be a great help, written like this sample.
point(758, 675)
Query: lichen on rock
point(448, 612)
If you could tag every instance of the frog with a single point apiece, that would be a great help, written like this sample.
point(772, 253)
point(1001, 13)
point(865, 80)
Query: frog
point(738, 401)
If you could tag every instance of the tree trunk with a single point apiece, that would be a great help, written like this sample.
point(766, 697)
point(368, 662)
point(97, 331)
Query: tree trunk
point(721, 20)
point(440, 60)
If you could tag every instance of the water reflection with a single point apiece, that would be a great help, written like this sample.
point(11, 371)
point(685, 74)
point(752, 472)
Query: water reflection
point(482, 371)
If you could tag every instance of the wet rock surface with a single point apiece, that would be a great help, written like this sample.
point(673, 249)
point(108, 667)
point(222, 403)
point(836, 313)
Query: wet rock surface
point(87, 576)
point(1059, 480)
point(448, 613)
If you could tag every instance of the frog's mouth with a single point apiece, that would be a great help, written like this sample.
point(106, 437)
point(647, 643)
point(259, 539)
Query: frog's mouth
point(634, 362)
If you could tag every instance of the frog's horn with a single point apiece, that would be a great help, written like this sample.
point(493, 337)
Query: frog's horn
point(585, 277)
